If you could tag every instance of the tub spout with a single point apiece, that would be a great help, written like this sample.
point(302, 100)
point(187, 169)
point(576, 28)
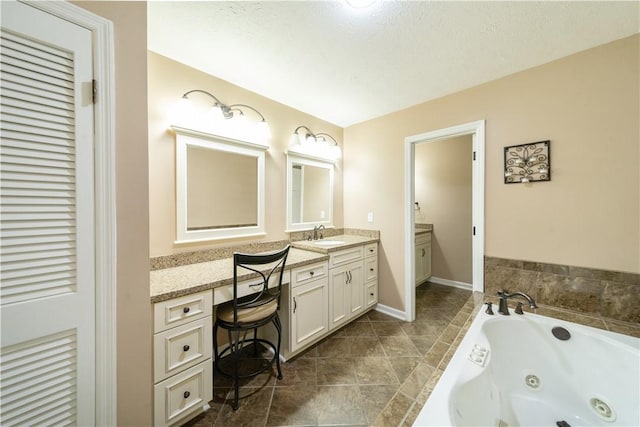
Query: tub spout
point(503, 307)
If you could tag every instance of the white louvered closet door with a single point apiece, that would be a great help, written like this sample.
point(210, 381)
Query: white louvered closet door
point(47, 355)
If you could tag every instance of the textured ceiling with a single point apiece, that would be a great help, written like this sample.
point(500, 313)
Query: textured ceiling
point(347, 66)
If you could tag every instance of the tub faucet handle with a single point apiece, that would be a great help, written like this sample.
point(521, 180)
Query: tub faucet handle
point(489, 310)
point(518, 309)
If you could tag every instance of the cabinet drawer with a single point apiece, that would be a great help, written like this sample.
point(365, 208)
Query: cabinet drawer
point(371, 296)
point(178, 311)
point(225, 293)
point(183, 394)
point(181, 347)
point(345, 256)
point(370, 269)
point(307, 273)
point(371, 249)
point(423, 238)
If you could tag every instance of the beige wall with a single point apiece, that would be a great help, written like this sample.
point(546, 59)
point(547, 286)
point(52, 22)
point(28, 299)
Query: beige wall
point(134, 365)
point(587, 104)
point(443, 190)
point(167, 81)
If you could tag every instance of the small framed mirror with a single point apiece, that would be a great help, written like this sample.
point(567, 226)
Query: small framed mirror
point(219, 187)
point(309, 192)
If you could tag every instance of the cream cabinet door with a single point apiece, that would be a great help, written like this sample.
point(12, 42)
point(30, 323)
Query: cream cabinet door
point(346, 293)
point(423, 258)
point(309, 312)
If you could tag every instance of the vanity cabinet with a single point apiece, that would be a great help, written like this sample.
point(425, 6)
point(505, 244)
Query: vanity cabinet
point(182, 368)
point(353, 285)
point(423, 257)
point(308, 305)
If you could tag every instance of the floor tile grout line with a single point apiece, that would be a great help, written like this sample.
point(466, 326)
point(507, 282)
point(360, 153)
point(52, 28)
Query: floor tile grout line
point(439, 309)
point(434, 372)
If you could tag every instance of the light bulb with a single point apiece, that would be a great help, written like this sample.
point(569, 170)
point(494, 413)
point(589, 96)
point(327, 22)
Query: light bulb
point(335, 151)
point(215, 113)
point(263, 130)
point(294, 141)
point(183, 112)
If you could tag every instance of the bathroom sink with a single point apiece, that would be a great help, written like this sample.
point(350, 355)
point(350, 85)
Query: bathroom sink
point(328, 242)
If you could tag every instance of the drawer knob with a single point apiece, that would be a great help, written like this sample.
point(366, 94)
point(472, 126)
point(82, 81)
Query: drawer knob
point(371, 294)
point(186, 348)
point(371, 269)
point(370, 250)
point(311, 273)
point(186, 310)
point(186, 394)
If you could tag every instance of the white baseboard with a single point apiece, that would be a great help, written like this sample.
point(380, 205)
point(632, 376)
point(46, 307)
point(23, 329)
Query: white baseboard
point(453, 283)
point(390, 311)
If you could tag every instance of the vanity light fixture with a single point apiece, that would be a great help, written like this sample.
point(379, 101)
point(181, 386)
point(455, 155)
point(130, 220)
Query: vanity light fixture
point(527, 163)
point(221, 112)
point(315, 144)
point(360, 4)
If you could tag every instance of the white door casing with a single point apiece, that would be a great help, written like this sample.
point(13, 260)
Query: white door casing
point(50, 304)
point(476, 129)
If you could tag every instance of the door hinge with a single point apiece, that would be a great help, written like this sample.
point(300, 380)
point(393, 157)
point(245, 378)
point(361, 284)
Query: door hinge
point(94, 91)
point(474, 155)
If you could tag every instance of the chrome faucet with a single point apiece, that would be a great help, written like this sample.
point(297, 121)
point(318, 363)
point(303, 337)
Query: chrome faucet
point(316, 229)
point(503, 307)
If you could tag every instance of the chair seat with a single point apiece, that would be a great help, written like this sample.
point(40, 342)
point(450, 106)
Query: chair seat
point(250, 314)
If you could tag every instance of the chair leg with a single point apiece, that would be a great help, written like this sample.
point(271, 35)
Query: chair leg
point(235, 355)
point(276, 322)
point(255, 342)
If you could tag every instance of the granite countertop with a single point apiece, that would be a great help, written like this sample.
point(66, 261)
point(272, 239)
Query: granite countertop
point(189, 279)
point(423, 228)
point(348, 239)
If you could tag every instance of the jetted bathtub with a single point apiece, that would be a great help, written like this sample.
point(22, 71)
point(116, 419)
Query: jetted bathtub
point(531, 370)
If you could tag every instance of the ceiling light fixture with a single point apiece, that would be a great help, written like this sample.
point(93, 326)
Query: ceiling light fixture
point(221, 112)
point(312, 144)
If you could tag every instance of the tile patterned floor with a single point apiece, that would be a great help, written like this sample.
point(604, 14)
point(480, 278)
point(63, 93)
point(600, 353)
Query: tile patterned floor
point(376, 371)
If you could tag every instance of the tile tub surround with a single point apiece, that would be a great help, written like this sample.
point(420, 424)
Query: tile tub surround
point(602, 293)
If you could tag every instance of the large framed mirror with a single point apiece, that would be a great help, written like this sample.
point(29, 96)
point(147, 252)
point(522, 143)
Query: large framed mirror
point(219, 187)
point(309, 192)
